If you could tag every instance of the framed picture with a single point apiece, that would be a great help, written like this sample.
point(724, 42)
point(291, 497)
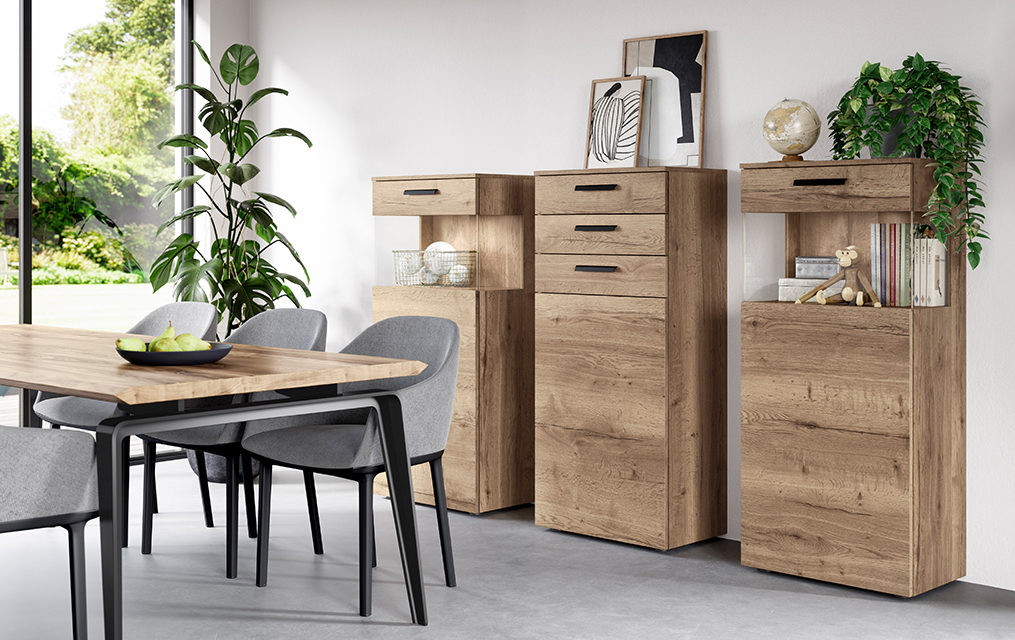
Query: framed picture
point(614, 122)
point(674, 67)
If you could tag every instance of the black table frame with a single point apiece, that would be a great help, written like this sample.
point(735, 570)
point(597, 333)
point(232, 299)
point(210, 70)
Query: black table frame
point(165, 416)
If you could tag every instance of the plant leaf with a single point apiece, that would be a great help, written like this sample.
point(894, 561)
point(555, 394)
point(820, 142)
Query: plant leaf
point(919, 64)
point(199, 90)
point(239, 174)
point(201, 51)
point(284, 132)
point(239, 62)
point(183, 140)
point(260, 93)
point(164, 268)
point(183, 215)
point(885, 72)
point(204, 164)
point(245, 137)
point(272, 198)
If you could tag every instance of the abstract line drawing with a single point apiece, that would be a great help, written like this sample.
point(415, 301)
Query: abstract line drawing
point(614, 122)
point(674, 66)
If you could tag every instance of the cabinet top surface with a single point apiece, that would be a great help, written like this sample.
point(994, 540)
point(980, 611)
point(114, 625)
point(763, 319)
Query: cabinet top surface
point(571, 172)
point(448, 176)
point(833, 163)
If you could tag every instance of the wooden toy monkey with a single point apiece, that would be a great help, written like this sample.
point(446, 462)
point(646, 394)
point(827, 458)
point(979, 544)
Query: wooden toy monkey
point(857, 283)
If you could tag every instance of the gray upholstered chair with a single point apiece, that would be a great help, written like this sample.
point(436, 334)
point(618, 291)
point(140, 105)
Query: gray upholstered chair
point(47, 479)
point(198, 318)
point(305, 329)
point(347, 443)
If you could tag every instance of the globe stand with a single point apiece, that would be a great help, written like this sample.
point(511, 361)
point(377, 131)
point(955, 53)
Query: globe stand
point(792, 159)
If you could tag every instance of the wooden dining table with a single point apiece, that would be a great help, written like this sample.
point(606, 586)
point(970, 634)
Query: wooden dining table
point(84, 363)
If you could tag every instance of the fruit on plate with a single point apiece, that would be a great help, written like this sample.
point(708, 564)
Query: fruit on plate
point(190, 342)
point(164, 344)
point(170, 333)
point(131, 344)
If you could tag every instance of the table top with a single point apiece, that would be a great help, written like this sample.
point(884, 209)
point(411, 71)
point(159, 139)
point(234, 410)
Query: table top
point(84, 363)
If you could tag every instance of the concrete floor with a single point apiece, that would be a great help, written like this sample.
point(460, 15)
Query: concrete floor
point(515, 580)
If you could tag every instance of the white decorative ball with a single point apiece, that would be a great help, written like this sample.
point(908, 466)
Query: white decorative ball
point(428, 277)
point(439, 257)
point(792, 127)
point(458, 275)
point(409, 262)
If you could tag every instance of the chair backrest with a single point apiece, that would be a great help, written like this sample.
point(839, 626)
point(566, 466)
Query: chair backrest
point(45, 473)
point(198, 318)
point(305, 329)
point(427, 399)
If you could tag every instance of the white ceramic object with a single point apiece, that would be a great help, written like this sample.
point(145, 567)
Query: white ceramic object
point(439, 258)
point(428, 277)
point(409, 262)
point(458, 275)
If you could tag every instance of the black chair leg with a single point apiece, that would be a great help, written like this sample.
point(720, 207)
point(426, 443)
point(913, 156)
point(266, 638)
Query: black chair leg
point(264, 515)
point(232, 513)
point(78, 604)
point(248, 493)
point(366, 530)
point(125, 479)
point(441, 503)
point(312, 510)
point(149, 497)
point(202, 479)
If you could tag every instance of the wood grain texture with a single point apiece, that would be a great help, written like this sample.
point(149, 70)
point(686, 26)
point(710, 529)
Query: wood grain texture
point(868, 187)
point(461, 470)
point(461, 232)
point(634, 235)
point(635, 193)
point(696, 362)
point(634, 276)
point(821, 234)
point(601, 417)
point(84, 363)
point(453, 197)
point(505, 195)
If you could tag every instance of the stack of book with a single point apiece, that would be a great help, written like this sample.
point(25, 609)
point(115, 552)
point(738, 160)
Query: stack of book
point(908, 266)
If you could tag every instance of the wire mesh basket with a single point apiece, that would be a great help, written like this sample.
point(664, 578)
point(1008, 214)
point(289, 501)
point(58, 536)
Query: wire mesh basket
point(418, 268)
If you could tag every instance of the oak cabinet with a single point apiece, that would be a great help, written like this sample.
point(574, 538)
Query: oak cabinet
point(852, 418)
point(488, 462)
point(630, 330)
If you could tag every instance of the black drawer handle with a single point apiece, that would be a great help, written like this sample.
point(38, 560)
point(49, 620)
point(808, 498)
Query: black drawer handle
point(594, 268)
point(819, 182)
point(420, 192)
point(595, 227)
point(595, 187)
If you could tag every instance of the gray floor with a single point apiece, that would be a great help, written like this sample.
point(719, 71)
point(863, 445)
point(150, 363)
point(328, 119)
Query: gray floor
point(516, 581)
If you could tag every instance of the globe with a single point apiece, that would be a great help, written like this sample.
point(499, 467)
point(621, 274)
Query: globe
point(792, 127)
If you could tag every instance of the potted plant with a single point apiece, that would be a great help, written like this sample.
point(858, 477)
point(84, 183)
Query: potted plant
point(933, 111)
point(233, 272)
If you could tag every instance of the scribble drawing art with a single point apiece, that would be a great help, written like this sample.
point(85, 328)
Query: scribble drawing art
point(614, 123)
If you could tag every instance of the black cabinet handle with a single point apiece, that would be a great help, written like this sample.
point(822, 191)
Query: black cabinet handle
point(595, 227)
point(419, 192)
point(594, 268)
point(595, 187)
point(819, 182)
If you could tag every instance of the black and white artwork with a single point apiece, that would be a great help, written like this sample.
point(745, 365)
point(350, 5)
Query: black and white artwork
point(674, 67)
point(614, 122)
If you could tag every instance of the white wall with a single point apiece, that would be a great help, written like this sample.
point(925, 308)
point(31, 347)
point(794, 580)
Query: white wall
point(406, 87)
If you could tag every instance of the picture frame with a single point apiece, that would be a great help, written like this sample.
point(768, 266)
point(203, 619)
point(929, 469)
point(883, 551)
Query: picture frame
point(613, 135)
point(674, 115)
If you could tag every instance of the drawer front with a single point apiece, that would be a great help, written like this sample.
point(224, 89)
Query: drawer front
point(812, 189)
point(601, 417)
point(601, 193)
point(452, 197)
point(606, 275)
point(460, 463)
point(602, 234)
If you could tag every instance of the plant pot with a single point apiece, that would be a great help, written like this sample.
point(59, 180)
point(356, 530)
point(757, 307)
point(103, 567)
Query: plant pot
point(215, 465)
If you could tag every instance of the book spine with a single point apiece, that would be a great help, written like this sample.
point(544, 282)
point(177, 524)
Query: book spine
point(939, 274)
point(873, 257)
point(907, 265)
point(881, 262)
point(892, 272)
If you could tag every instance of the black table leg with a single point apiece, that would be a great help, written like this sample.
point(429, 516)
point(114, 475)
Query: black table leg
point(109, 454)
point(403, 505)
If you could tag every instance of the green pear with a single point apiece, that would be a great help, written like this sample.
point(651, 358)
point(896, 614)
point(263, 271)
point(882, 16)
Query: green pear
point(170, 333)
point(164, 344)
point(190, 342)
point(131, 344)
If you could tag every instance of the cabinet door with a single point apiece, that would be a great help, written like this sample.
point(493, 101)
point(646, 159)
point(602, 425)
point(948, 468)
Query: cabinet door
point(826, 415)
point(460, 465)
point(601, 417)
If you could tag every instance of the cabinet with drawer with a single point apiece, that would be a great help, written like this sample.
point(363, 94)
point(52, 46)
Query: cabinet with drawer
point(488, 462)
point(630, 337)
point(852, 418)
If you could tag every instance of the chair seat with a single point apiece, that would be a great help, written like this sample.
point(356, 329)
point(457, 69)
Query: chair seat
point(82, 413)
point(338, 446)
point(44, 473)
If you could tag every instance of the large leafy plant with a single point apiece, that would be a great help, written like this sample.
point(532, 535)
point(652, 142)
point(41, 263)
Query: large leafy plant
point(934, 111)
point(233, 272)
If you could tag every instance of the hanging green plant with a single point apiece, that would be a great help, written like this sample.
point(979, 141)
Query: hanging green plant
point(935, 112)
point(233, 272)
